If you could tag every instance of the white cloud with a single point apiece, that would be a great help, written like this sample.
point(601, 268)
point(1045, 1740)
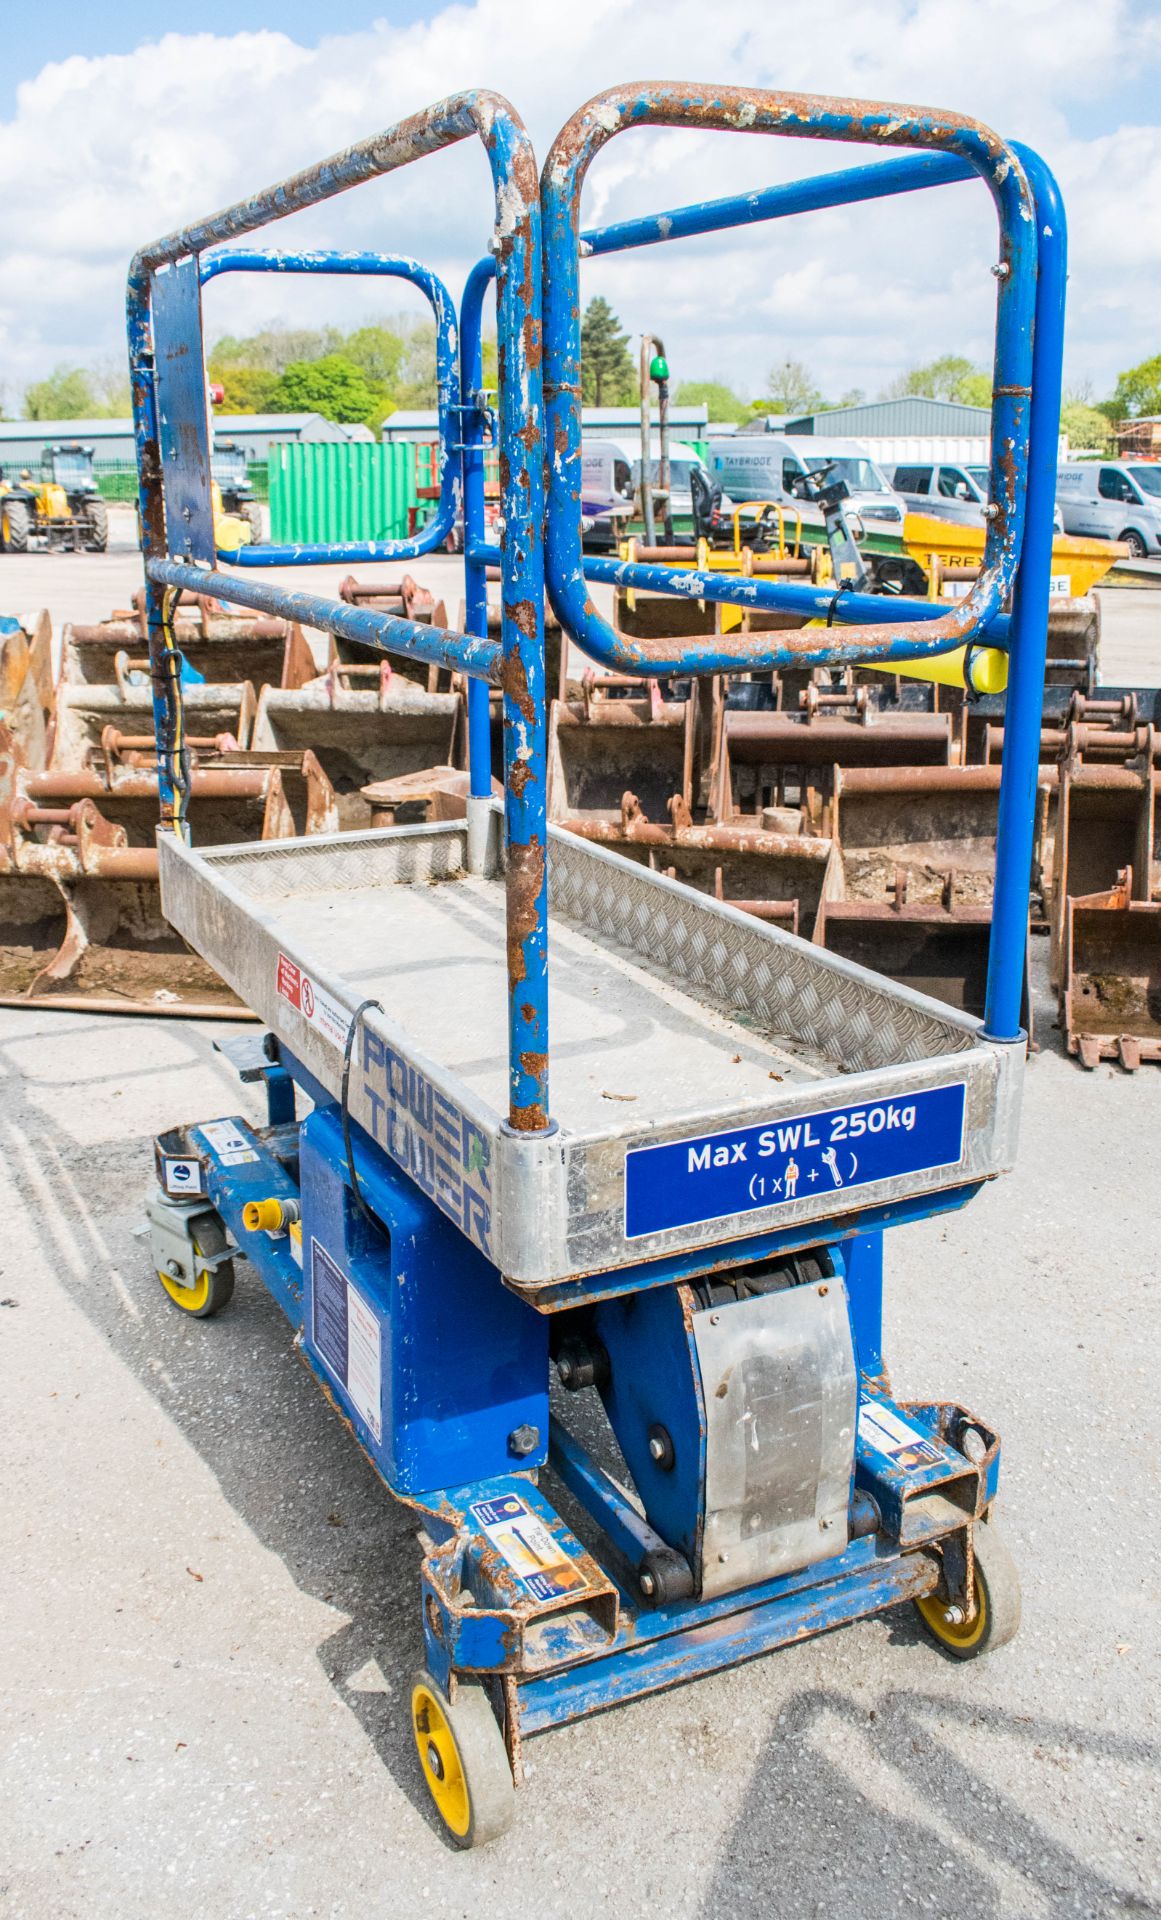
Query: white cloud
point(128, 146)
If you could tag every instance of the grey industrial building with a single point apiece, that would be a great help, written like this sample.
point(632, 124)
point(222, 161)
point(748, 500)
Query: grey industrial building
point(23, 441)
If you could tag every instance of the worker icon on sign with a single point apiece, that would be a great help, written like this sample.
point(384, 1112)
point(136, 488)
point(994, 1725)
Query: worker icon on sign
point(791, 1178)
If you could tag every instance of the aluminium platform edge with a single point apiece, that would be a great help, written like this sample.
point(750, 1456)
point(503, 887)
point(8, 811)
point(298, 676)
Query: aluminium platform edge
point(549, 1208)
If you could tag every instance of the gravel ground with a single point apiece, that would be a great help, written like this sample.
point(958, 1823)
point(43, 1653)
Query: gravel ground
point(208, 1605)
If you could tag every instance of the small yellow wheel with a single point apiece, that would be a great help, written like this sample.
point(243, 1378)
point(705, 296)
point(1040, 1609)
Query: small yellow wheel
point(995, 1615)
point(464, 1760)
point(214, 1286)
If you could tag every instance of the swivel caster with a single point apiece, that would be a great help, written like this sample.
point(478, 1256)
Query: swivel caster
point(995, 1614)
point(464, 1760)
point(193, 1258)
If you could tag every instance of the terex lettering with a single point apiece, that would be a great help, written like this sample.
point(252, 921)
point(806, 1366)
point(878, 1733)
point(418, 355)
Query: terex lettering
point(750, 1169)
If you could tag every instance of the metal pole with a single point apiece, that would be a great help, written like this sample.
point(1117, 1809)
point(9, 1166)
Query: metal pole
point(646, 450)
point(1029, 644)
point(475, 571)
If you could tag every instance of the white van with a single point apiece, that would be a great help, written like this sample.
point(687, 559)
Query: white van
point(611, 474)
point(943, 489)
point(1114, 500)
point(764, 466)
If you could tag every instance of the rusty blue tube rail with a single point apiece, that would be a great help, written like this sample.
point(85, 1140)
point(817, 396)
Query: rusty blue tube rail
point(389, 632)
point(750, 111)
point(447, 374)
point(472, 463)
point(520, 671)
point(1029, 636)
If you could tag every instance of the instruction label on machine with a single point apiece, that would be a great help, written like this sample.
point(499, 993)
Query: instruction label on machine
point(523, 1540)
point(227, 1143)
point(314, 1003)
point(345, 1334)
point(896, 1439)
point(748, 1169)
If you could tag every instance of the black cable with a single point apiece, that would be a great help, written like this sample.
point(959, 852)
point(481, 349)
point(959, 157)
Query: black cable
point(971, 691)
point(848, 586)
point(344, 1113)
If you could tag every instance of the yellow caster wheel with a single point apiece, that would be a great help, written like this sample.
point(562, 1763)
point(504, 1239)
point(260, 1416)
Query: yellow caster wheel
point(214, 1285)
point(464, 1760)
point(996, 1613)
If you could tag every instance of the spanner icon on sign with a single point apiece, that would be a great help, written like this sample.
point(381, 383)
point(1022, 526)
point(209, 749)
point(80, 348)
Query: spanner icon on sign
point(832, 1163)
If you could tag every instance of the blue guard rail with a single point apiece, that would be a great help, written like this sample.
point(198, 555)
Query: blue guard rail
point(523, 1626)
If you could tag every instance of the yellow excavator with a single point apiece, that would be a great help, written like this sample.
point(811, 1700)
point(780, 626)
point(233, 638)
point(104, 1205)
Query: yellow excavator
point(63, 510)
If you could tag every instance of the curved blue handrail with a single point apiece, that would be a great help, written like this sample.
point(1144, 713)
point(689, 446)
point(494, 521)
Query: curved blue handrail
point(387, 266)
point(907, 630)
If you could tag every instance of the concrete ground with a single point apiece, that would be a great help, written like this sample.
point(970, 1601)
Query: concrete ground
point(208, 1604)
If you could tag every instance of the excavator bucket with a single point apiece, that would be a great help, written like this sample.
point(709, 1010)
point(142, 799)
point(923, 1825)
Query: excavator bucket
point(1111, 1003)
point(361, 735)
point(764, 755)
point(620, 736)
point(216, 646)
point(26, 687)
point(80, 912)
point(410, 601)
point(916, 877)
point(1106, 824)
point(107, 726)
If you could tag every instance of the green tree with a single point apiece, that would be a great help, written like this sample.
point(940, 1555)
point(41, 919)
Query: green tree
point(1085, 426)
point(67, 394)
point(274, 349)
point(1138, 391)
point(721, 402)
point(951, 377)
point(332, 386)
point(378, 351)
point(607, 375)
point(792, 389)
point(417, 378)
point(247, 389)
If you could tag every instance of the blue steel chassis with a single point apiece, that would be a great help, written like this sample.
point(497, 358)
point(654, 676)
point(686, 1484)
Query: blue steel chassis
point(594, 1643)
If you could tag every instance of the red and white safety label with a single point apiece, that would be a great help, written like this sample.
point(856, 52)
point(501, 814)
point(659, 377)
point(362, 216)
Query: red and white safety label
point(314, 1003)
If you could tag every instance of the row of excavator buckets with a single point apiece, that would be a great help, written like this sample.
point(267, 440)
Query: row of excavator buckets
point(857, 810)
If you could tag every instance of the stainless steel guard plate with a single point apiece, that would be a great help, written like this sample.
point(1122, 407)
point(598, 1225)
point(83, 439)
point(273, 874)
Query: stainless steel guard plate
point(673, 1019)
point(781, 1396)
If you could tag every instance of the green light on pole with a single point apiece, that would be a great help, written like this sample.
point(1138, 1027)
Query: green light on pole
point(659, 368)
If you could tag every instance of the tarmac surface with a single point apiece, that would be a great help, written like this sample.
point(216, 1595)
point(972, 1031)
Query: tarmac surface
point(209, 1604)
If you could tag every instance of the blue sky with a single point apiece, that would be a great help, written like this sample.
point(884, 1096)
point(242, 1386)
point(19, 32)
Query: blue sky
point(142, 117)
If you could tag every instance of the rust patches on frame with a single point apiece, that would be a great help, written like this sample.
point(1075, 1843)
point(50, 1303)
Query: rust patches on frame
point(513, 677)
point(525, 882)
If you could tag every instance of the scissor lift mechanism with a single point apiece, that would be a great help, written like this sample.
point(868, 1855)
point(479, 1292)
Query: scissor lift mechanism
point(691, 1221)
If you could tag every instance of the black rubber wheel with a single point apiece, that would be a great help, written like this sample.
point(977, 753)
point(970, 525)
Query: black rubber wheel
point(96, 526)
point(1138, 546)
point(252, 514)
point(995, 1616)
point(14, 526)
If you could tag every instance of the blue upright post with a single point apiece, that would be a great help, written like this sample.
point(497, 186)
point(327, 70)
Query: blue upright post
point(1029, 643)
point(475, 567)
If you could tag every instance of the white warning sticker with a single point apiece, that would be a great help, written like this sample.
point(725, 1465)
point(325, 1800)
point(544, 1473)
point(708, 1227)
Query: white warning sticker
point(229, 1145)
point(346, 1335)
point(880, 1427)
point(314, 1003)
